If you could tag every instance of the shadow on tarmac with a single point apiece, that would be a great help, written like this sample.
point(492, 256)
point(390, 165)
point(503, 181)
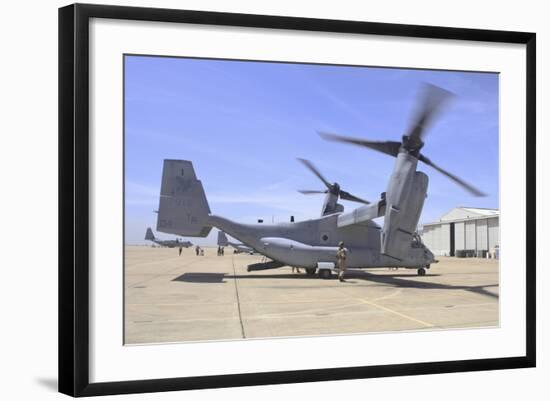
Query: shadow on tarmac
point(201, 278)
point(399, 280)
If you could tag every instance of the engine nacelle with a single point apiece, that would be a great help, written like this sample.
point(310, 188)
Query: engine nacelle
point(404, 202)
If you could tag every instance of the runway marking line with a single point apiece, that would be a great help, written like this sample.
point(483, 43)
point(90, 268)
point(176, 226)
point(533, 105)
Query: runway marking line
point(372, 303)
point(307, 311)
point(393, 294)
point(426, 324)
point(237, 295)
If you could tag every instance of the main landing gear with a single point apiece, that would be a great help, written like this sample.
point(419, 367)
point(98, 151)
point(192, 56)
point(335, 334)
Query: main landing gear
point(310, 271)
point(325, 274)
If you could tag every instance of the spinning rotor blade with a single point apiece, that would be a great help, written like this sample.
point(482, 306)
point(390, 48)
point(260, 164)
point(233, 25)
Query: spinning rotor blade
point(347, 196)
point(332, 188)
point(311, 192)
point(388, 147)
point(433, 99)
point(314, 170)
point(470, 188)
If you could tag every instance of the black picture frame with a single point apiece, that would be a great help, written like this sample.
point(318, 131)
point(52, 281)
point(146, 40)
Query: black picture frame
point(74, 198)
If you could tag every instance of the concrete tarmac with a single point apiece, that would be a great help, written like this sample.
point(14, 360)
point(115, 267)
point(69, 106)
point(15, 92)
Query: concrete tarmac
point(171, 298)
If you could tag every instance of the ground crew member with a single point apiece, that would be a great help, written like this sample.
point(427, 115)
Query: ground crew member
point(180, 251)
point(197, 250)
point(341, 254)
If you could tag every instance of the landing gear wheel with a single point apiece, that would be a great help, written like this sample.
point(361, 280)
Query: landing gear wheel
point(421, 271)
point(310, 271)
point(325, 274)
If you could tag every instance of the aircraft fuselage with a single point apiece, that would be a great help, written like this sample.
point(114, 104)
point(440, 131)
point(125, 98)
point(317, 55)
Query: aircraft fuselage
point(305, 243)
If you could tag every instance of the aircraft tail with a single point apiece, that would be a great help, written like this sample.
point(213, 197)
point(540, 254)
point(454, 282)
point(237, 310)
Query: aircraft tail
point(183, 208)
point(149, 234)
point(222, 239)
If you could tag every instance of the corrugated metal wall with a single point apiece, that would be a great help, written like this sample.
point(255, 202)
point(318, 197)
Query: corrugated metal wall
point(470, 235)
point(437, 239)
point(494, 234)
point(479, 235)
point(459, 236)
point(445, 243)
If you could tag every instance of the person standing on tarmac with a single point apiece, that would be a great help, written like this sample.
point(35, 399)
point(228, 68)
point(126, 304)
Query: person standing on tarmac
point(180, 251)
point(341, 255)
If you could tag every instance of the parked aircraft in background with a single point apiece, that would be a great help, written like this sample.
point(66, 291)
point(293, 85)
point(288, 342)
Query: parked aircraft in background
point(238, 246)
point(167, 243)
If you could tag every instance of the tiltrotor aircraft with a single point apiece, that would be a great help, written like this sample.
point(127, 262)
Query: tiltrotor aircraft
point(169, 243)
point(333, 192)
point(239, 248)
point(312, 244)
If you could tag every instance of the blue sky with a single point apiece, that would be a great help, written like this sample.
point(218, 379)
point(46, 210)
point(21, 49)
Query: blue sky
point(243, 124)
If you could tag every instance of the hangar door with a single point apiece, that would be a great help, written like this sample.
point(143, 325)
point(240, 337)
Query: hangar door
point(494, 234)
point(470, 234)
point(482, 235)
point(459, 236)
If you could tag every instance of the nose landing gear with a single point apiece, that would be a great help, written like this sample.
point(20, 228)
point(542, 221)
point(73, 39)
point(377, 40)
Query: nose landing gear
point(422, 270)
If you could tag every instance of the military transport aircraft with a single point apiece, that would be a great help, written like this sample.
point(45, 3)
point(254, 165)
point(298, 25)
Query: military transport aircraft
point(239, 247)
point(312, 244)
point(169, 243)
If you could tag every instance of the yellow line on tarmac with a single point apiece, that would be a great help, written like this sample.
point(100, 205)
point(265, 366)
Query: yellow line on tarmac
point(393, 294)
point(426, 324)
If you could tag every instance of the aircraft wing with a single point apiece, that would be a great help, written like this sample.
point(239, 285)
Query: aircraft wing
point(362, 214)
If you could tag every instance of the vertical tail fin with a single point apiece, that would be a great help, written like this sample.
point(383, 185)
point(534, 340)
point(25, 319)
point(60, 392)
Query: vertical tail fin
point(222, 239)
point(149, 234)
point(183, 208)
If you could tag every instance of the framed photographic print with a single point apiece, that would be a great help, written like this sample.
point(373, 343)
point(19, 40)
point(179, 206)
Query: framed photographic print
point(251, 199)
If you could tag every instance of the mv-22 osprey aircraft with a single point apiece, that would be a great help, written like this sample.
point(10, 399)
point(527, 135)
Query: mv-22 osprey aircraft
point(312, 244)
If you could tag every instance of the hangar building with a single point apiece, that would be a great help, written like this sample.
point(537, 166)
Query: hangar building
point(462, 229)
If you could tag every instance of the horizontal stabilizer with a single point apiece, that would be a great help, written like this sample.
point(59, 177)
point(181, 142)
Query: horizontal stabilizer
point(273, 264)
